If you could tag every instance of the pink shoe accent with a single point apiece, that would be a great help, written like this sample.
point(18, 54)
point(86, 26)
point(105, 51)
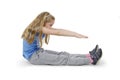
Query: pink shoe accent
point(89, 57)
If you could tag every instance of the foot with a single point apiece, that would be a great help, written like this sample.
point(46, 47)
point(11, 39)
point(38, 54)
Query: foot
point(95, 57)
point(94, 50)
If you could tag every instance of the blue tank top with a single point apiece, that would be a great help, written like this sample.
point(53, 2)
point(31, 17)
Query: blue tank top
point(29, 49)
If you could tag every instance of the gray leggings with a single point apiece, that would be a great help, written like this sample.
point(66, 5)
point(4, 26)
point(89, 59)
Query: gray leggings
point(48, 57)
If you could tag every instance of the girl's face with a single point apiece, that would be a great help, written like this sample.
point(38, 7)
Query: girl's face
point(49, 24)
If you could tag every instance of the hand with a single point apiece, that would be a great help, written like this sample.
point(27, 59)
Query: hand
point(81, 36)
point(84, 37)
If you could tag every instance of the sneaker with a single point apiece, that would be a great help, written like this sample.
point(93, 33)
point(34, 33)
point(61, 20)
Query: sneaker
point(94, 50)
point(95, 57)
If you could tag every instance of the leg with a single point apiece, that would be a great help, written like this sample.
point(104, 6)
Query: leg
point(79, 55)
point(75, 55)
point(48, 57)
point(71, 59)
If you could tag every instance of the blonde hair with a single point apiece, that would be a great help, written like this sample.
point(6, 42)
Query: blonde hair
point(36, 27)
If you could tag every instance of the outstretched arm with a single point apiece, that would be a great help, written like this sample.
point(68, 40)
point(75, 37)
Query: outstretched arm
point(62, 32)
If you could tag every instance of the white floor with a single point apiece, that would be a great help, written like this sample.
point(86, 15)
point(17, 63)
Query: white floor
point(99, 20)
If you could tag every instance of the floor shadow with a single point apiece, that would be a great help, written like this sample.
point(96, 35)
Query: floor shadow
point(119, 17)
point(23, 63)
point(101, 63)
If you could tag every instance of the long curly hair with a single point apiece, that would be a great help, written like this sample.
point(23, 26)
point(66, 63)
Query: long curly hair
point(36, 27)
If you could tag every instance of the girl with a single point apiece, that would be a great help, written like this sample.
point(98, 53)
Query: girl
point(41, 27)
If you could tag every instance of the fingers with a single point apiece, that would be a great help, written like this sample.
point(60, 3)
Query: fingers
point(85, 36)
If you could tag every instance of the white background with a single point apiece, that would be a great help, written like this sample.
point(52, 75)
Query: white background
point(98, 19)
